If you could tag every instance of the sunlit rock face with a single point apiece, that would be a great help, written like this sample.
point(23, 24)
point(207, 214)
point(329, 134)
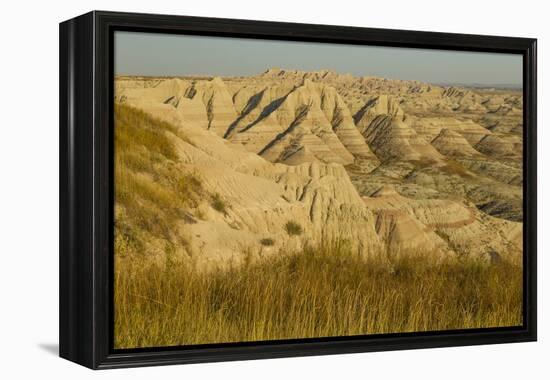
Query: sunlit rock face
point(379, 163)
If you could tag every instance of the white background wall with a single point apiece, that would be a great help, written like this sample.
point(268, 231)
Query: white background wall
point(29, 187)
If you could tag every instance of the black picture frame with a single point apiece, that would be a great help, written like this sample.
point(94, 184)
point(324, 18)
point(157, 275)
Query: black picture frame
point(86, 188)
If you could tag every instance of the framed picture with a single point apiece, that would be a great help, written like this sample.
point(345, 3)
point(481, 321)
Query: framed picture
point(236, 189)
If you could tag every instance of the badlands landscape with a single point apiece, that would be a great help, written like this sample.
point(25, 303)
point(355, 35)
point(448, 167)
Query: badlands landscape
point(239, 199)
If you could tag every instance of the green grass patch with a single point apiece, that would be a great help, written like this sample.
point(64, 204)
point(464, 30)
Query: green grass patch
point(218, 203)
point(267, 242)
point(293, 228)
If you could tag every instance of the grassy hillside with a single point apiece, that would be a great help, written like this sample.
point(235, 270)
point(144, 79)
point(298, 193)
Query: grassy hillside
point(326, 291)
point(152, 190)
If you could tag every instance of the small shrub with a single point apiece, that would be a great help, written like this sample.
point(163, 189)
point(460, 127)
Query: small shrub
point(218, 203)
point(268, 242)
point(293, 228)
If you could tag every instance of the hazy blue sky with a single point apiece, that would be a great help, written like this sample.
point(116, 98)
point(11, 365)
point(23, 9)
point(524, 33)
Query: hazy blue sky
point(163, 54)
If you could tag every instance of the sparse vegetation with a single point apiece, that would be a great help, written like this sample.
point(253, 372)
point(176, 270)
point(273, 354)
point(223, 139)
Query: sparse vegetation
point(326, 291)
point(455, 168)
point(268, 242)
point(293, 228)
point(152, 189)
point(218, 203)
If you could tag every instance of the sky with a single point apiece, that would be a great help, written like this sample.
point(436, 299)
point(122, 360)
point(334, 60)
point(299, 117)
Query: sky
point(155, 54)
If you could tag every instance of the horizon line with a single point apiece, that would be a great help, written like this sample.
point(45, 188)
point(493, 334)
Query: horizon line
point(435, 83)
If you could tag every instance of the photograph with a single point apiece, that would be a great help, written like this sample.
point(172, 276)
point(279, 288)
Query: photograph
point(274, 190)
point(268, 191)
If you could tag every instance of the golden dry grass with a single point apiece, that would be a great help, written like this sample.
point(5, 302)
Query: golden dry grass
point(319, 292)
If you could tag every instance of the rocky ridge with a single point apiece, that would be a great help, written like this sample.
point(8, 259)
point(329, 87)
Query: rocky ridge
point(375, 162)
